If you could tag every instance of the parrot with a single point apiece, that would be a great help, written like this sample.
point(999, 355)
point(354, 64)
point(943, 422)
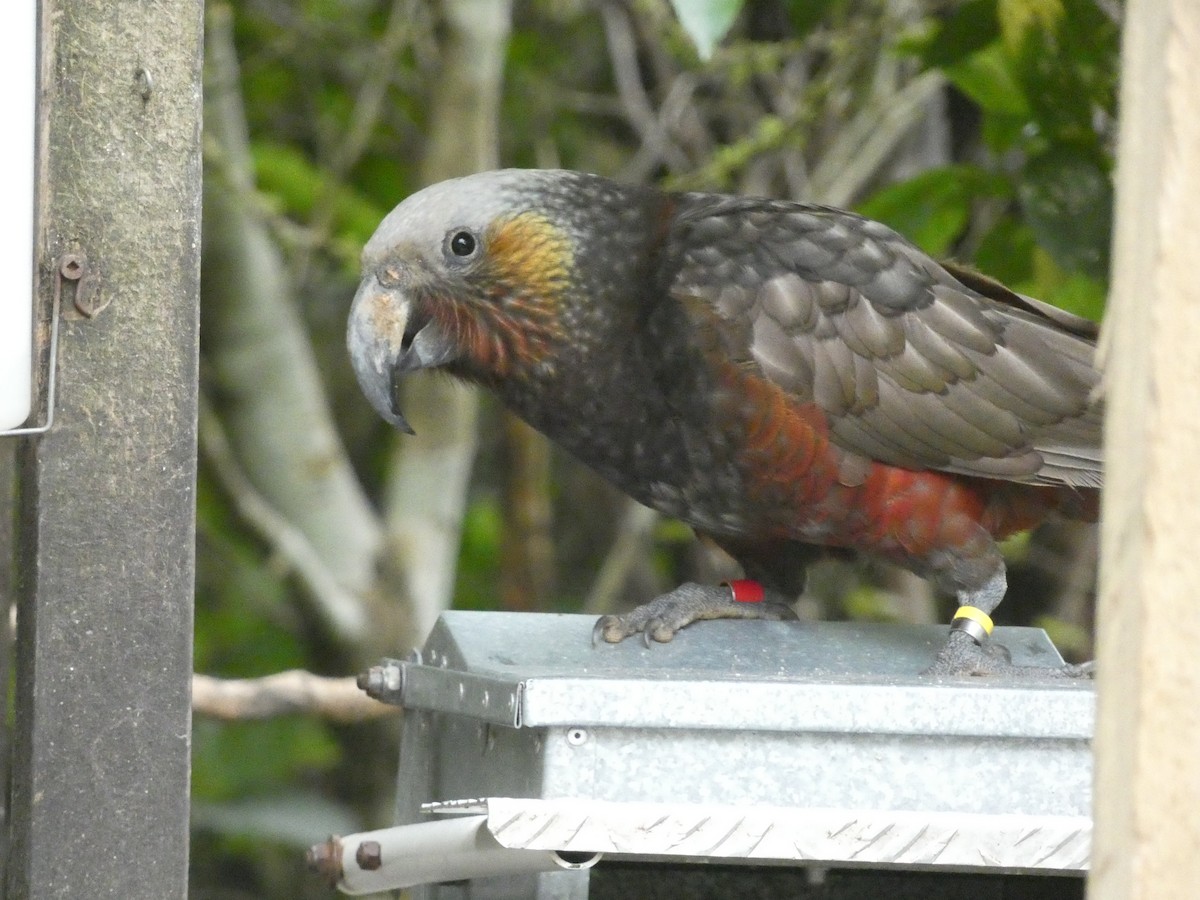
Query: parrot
point(788, 379)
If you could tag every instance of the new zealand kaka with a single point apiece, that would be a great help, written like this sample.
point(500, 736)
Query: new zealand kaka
point(780, 376)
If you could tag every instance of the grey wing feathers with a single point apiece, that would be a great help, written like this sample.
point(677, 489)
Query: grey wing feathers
point(915, 364)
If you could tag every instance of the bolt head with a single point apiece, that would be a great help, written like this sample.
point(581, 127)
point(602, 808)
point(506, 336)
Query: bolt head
point(371, 680)
point(369, 856)
point(325, 860)
point(382, 682)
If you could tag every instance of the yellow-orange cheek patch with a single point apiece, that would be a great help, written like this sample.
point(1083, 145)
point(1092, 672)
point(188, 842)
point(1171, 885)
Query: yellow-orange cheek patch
point(531, 255)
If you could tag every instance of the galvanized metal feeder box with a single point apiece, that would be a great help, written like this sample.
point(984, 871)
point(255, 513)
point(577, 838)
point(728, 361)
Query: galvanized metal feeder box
point(817, 746)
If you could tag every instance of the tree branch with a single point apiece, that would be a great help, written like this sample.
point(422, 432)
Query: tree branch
point(631, 539)
point(339, 608)
point(867, 141)
point(294, 692)
point(368, 104)
point(265, 376)
point(622, 48)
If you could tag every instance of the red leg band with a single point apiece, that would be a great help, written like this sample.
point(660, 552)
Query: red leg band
point(745, 591)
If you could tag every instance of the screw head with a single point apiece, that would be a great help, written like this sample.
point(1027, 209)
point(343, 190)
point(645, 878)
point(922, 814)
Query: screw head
point(577, 736)
point(70, 265)
point(369, 856)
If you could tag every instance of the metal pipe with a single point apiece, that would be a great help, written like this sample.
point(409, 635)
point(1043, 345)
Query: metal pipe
point(449, 849)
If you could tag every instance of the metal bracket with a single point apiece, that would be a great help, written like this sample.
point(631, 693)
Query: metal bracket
point(71, 267)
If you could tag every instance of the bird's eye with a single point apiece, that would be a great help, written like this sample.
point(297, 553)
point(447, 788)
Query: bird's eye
point(462, 243)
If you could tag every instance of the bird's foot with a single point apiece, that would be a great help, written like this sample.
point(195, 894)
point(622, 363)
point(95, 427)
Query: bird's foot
point(659, 619)
point(961, 655)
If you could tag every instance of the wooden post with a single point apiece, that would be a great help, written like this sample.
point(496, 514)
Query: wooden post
point(105, 534)
point(1147, 808)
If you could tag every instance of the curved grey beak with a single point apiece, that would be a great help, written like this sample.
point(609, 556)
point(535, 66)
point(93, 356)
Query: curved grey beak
point(387, 339)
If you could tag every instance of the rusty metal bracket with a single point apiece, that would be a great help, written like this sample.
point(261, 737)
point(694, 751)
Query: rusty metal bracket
point(70, 267)
point(89, 302)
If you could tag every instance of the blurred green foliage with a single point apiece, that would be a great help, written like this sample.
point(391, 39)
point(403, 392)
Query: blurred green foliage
point(1042, 75)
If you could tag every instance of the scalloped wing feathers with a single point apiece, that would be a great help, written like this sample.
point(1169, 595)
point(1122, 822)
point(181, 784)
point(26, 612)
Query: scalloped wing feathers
point(914, 364)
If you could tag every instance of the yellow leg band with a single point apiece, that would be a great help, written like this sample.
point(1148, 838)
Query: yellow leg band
point(975, 615)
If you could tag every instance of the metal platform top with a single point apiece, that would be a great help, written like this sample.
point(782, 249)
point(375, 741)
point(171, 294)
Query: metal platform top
point(541, 669)
point(766, 743)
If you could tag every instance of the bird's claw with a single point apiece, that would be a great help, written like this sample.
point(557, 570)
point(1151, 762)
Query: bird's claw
point(614, 629)
point(962, 656)
point(660, 619)
point(659, 631)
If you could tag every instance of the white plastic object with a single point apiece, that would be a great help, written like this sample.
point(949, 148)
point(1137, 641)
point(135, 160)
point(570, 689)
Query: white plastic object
point(18, 71)
point(450, 849)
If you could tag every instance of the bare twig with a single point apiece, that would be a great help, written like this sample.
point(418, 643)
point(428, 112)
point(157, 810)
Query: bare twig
point(294, 692)
point(630, 540)
point(368, 104)
point(622, 48)
point(868, 139)
point(340, 608)
point(674, 106)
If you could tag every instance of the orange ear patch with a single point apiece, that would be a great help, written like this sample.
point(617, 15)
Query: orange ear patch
point(531, 255)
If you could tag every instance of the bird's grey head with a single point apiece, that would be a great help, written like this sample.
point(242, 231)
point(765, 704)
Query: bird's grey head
point(431, 252)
